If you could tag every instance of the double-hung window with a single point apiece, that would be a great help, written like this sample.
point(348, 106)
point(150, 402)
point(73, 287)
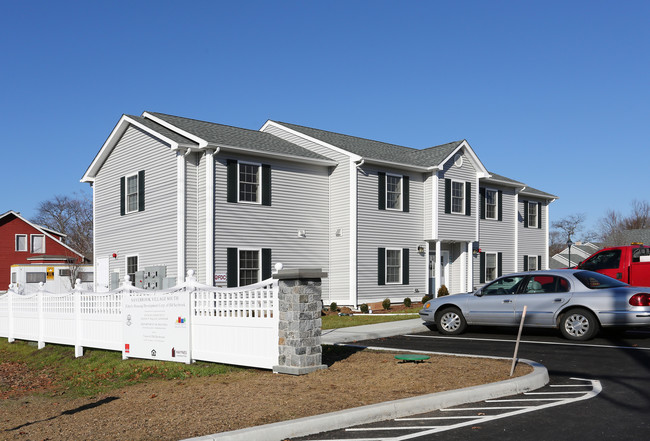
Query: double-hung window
point(21, 242)
point(491, 269)
point(491, 203)
point(533, 212)
point(131, 267)
point(38, 243)
point(532, 263)
point(393, 192)
point(393, 266)
point(131, 193)
point(249, 267)
point(249, 182)
point(457, 197)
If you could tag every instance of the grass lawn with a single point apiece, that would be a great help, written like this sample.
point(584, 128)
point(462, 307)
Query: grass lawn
point(98, 370)
point(336, 321)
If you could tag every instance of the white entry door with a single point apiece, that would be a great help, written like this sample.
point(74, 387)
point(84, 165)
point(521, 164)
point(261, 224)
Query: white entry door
point(102, 277)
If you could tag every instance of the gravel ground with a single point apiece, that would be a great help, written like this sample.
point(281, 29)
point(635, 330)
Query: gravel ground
point(172, 410)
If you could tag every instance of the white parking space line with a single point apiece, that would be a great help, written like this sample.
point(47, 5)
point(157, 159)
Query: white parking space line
point(530, 341)
point(413, 432)
point(521, 399)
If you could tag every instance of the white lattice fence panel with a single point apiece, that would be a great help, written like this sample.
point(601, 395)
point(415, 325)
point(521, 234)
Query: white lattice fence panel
point(59, 319)
point(101, 320)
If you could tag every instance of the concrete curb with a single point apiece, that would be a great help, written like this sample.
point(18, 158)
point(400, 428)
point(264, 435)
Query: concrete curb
point(388, 410)
point(370, 332)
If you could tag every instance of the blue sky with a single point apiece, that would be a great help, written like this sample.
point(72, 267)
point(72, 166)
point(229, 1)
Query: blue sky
point(551, 93)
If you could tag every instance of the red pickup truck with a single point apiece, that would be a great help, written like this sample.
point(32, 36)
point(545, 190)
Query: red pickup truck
point(629, 264)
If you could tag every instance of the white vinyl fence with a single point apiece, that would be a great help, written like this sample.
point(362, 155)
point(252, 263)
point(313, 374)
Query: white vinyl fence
point(225, 325)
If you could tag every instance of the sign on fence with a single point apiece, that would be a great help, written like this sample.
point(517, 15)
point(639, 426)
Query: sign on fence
point(156, 326)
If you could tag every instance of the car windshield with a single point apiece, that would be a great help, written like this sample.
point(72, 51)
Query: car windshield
point(597, 281)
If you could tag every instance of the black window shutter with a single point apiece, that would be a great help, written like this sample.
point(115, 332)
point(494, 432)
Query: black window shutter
point(141, 190)
point(468, 199)
point(482, 268)
point(500, 205)
point(266, 184)
point(447, 196)
point(525, 215)
point(267, 270)
point(405, 266)
point(405, 192)
point(381, 190)
point(232, 278)
point(381, 266)
point(232, 190)
point(122, 196)
point(482, 202)
point(539, 215)
point(539, 262)
point(525, 263)
point(499, 264)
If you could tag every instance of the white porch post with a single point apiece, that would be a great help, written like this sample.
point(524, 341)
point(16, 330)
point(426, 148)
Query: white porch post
point(470, 267)
point(180, 213)
point(209, 217)
point(463, 269)
point(438, 269)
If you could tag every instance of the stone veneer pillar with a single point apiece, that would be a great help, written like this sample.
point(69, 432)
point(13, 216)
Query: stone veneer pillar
point(300, 321)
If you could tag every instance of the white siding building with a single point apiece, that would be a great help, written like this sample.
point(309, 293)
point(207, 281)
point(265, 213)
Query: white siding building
point(382, 220)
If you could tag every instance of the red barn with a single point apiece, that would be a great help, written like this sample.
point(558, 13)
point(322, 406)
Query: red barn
point(22, 242)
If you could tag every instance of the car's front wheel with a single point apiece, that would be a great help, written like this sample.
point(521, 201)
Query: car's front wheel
point(450, 321)
point(579, 324)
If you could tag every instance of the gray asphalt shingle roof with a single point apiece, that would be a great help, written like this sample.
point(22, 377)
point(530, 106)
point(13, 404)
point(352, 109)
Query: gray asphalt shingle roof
point(223, 135)
point(377, 150)
point(163, 131)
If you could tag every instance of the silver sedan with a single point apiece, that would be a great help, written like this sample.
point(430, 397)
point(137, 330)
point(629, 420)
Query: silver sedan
point(577, 302)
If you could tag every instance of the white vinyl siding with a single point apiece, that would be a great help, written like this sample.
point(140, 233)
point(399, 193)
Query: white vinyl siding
point(456, 227)
point(499, 237)
point(337, 286)
point(194, 234)
point(532, 241)
point(393, 230)
point(300, 202)
point(150, 233)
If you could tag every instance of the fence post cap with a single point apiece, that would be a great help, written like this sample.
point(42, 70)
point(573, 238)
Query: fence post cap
point(300, 273)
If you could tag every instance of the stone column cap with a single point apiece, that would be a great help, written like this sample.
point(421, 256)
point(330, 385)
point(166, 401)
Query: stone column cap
point(300, 273)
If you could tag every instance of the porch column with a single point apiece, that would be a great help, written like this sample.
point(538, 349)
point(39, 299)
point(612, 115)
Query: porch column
point(470, 267)
point(438, 269)
point(463, 268)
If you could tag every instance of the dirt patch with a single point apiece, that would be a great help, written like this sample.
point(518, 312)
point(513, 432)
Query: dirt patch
point(172, 410)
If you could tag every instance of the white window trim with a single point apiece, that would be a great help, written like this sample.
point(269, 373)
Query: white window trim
point(496, 266)
point(401, 192)
point(259, 183)
point(126, 193)
point(26, 243)
point(259, 263)
point(496, 203)
point(401, 263)
point(31, 243)
point(451, 195)
point(532, 259)
point(126, 266)
point(532, 204)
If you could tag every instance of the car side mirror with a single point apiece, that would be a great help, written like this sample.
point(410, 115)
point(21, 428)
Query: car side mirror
point(479, 293)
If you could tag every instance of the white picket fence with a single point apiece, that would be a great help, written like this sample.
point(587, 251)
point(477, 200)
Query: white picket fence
point(227, 325)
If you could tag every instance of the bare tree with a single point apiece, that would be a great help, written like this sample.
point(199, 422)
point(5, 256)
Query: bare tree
point(570, 225)
point(613, 223)
point(72, 216)
point(556, 242)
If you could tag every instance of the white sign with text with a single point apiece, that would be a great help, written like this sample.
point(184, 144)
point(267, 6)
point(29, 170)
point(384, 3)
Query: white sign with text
point(156, 326)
